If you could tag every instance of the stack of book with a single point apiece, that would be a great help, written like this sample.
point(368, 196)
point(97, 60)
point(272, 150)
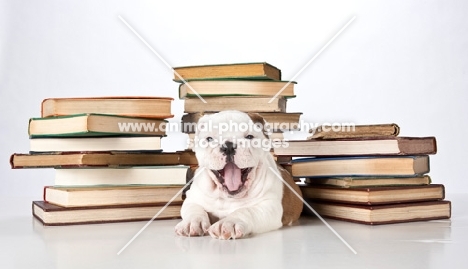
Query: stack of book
point(368, 174)
point(108, 161)
point(247, 87)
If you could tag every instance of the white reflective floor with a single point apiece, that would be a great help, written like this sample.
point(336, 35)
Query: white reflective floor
point(25, 243)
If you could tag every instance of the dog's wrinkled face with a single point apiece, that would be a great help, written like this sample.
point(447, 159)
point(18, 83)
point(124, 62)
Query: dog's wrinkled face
point(230, 144)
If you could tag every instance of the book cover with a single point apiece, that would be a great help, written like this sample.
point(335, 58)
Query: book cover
point(53, 215)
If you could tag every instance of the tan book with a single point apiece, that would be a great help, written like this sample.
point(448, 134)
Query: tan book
point(385, 214)
point(228, 71)
point(236, 88)
point(241, 103)
point(107, 196)
point(277, 121)
point(360, 146)
point(132, 106)
point(360, 166)
point(356, 182)
point(377, 130)
point(92, 159)
point(83, 125)
point(374, 195)
point(53, 215)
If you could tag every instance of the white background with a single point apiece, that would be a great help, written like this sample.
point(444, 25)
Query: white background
point(400, 61)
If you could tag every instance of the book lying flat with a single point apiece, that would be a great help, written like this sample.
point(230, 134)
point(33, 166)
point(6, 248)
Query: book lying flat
point(360, 146)
point(53, 215)
point(133, 106)
point(353, 182)
point(79, 125)
point(360, 166)
point(375, 130)
point(140, 175)
point(236, 87)
point(385, 214)
point(241, 103)
point(277, 121)
point(374, 195)
point(136, 143)
point(92, 159)
point(106, 196)
point(223, 71)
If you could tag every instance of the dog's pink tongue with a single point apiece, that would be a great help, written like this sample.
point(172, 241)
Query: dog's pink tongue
point(232, 177)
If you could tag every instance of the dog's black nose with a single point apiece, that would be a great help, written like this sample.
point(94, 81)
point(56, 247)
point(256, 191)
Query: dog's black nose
point(228, 148)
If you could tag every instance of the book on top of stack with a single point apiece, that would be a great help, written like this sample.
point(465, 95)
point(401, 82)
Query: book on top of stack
point(108, 160)
point(247, 87)
point(368, 175)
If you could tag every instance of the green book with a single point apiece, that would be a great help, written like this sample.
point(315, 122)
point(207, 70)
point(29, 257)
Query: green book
point(89, 125)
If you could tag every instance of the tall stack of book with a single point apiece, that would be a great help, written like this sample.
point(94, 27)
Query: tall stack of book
point(368, 174)
point(108, 161)
point(247, 87)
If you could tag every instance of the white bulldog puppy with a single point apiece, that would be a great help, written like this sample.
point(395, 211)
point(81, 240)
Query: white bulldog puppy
point(236, 190)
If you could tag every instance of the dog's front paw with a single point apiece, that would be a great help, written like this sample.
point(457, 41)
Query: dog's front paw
point(193, 227)
point(228, 229)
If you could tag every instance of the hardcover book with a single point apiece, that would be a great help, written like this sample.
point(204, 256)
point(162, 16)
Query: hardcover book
point(140, 175)
point(385, 214)
point(236, 88)
point(353, 182)
point(228, 71)
point(106, 196)
point(374, 195)
point(53, 215)
point(375, 130)
point(82, 144)
point(241, 103)
point(403, 166)
point(132, 106)
point(92, 159)
point(86, 125)
point(360, 146)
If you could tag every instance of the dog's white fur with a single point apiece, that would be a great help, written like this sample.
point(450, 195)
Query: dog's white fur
point(208, 207)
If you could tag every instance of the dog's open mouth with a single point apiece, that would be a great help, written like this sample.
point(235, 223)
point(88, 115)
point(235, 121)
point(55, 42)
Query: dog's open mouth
point(232, 177)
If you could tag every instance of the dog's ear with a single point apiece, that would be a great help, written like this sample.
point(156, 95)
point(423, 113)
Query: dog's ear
point(260, 121)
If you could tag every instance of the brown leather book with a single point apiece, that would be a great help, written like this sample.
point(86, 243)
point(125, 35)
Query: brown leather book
point(54, 215)
point(384, 214)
